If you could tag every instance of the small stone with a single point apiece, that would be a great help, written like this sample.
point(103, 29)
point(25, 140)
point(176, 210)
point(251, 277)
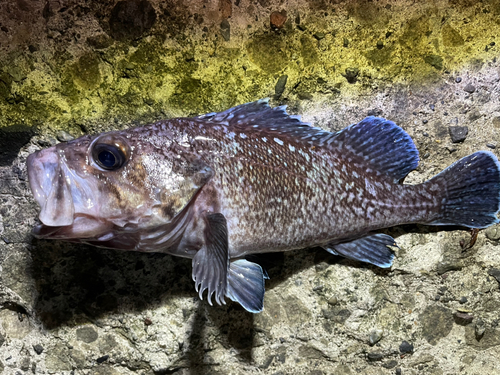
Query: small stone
point(398, 371)
point(458, 133)
point(375, 356)
point(38, 349)
point(346, 42)
point(351, 74)
point(102, 359)
point(446, 266)
point(470, 88)
point(225, 30)
point(479, 329)
point(435, 61)
point(375, 336)
point(458, 79)
point(462, 300)
point(64, 136)
point(405, 347)
point(280, 86)
point(380, 44)
point(86, 334)
point(390, 364)
point(491, 145)
point(495, 272)
point(462, 318)
point(493, 232)
point(333, 300)
point(278, 19)
point(319, 35)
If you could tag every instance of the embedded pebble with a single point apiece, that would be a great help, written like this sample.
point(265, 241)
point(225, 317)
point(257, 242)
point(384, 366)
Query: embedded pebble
point(470, 88)
point(280, 86)
point(278, 19)
point(458, 133)
point(375, 336)
point(64, 136)
point(493, 232)
point(406, 347)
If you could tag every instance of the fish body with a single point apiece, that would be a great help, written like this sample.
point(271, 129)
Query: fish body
point(252, 179)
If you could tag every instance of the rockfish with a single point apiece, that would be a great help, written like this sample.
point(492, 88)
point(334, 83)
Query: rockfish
point(252, 179)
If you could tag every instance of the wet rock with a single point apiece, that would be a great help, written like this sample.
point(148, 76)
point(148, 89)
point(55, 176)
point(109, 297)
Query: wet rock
point(278, 19)
point(436, 322)
point(405, 347)
point(131, 19)
point(458, 133)
point(493, 232)
point(86, 334)
point(280, 86)
point(38, 349)
point(462, 318)
point(225, 30)
point(470, 88)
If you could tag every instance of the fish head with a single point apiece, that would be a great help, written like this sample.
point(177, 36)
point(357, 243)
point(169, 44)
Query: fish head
point(94, 188)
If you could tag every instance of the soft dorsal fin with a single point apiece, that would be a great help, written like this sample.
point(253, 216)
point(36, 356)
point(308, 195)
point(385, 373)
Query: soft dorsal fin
point(383, 145)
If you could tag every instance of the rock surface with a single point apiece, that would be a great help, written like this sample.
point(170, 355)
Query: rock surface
point(83, 67)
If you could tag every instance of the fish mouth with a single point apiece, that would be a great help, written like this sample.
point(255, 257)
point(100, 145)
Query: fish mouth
point(53, 187)
point(50, 188)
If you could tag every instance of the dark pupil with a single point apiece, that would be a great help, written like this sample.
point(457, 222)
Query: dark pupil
point(107, 159)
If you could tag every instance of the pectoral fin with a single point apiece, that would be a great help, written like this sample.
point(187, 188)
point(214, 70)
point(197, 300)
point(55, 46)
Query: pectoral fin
point(246, 285)
point(211, 262)
point(370, 249)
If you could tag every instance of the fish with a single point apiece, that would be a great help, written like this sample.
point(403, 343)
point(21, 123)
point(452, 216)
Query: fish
point(221, 187)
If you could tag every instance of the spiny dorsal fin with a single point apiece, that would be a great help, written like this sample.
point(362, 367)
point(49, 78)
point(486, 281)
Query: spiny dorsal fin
point(259, 117)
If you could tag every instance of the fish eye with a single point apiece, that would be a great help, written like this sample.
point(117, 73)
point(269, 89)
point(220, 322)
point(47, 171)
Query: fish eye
point(109, 154)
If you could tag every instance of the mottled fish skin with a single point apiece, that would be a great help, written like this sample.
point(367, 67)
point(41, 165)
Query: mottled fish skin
point(251, 180)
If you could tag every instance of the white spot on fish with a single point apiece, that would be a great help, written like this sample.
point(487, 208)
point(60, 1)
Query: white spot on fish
point(370, 188)
point(291, 148)
point(264, 139)
point(243, 135)
point(278, 141)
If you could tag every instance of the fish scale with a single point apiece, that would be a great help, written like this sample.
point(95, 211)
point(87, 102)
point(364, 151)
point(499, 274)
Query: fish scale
point(252, 179)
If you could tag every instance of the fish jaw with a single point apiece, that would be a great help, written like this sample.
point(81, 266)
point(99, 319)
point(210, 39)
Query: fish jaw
point(50, 189)
point(63, 198)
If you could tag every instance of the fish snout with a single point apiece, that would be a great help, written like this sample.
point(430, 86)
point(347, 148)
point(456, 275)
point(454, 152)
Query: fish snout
point(50, 187)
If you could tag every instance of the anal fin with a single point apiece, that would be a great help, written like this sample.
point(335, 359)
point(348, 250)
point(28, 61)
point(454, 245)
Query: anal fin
point(246, 285)
point(211, 262)
point(373, 248)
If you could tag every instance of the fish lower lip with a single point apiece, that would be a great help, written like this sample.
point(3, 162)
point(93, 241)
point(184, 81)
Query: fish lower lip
point(42, 231)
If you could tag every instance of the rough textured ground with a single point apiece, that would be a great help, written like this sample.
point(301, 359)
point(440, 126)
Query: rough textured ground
point(70, 67)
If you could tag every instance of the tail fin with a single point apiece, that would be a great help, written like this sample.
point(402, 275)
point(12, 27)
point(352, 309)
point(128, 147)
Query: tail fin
point(471, 188)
